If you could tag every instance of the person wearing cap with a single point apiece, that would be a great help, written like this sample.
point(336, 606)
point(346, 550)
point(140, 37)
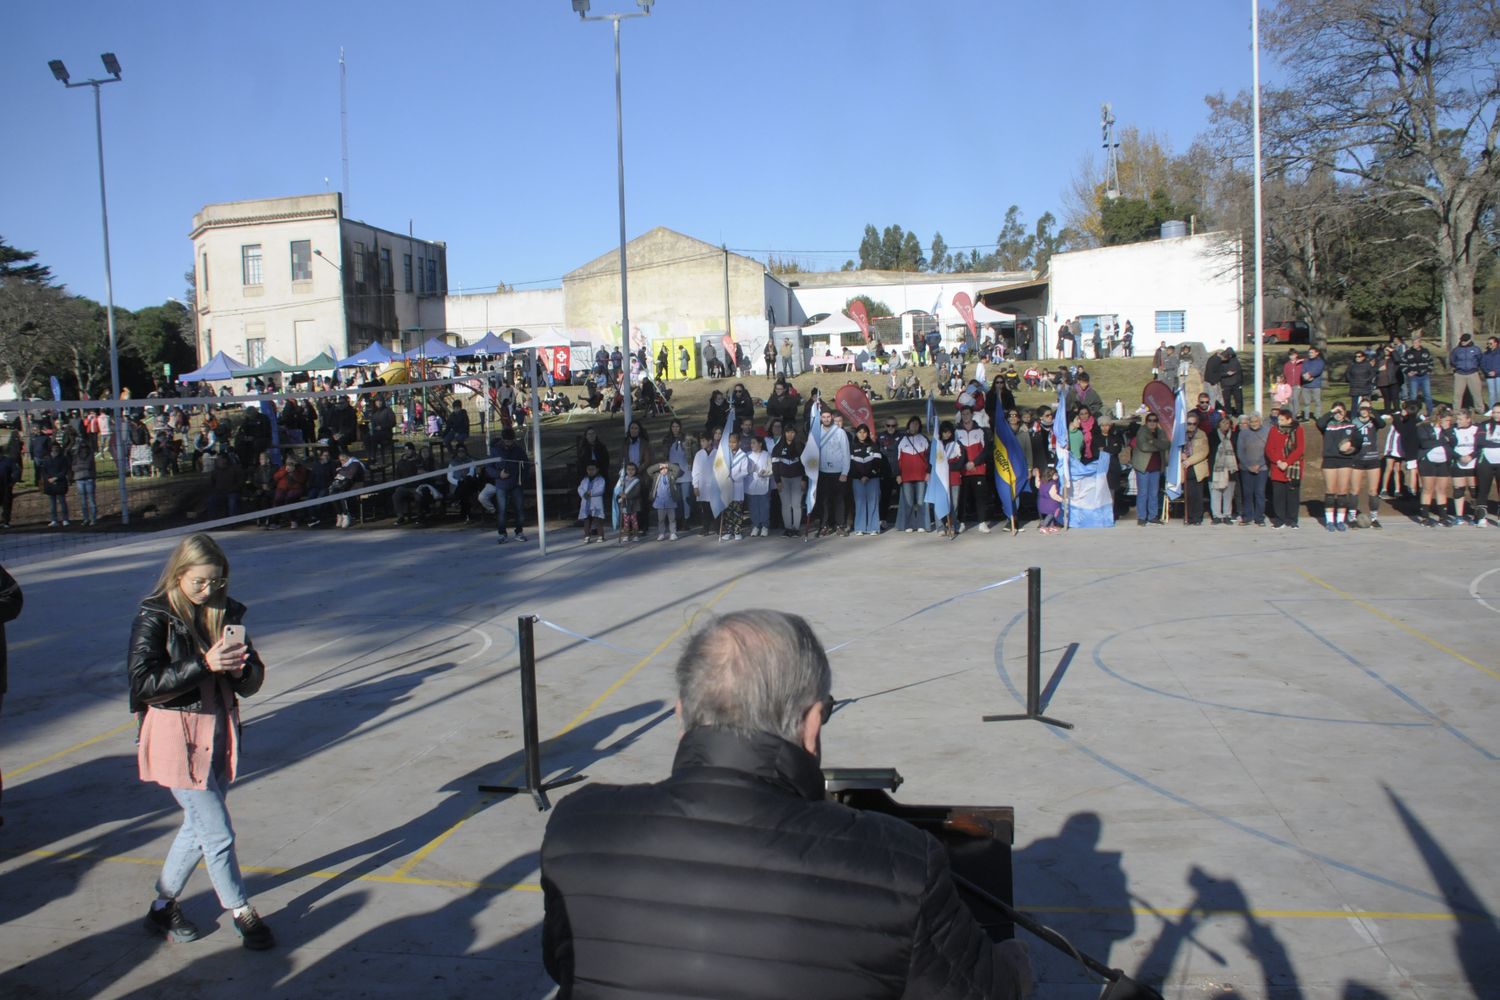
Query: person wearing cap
point(1361, 378)
point(1464, 360)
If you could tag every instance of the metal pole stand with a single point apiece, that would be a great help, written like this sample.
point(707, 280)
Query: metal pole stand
point(534, 785)
point(1033, 656)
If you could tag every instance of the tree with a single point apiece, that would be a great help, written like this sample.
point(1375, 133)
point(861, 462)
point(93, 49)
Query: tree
point(937, 260)
point(20, 264)
point(869, 249)
point(890, 247)
point(79, 342)
point(910, 257)
point(1382, 83)
point(1012, 249)
point(157, 336)
point(1132, 220)
point(1147, 166)
point(28, 311)
point(873, 309)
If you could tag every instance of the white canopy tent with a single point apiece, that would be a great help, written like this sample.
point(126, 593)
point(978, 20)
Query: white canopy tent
point(543, 340)
point(984, 314)
point(835, 324)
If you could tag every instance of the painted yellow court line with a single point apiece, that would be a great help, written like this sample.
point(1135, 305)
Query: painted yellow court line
point(17, 772)
point(327, 876)
point(438, 841)
point(1416, 633)
point(1140, 911)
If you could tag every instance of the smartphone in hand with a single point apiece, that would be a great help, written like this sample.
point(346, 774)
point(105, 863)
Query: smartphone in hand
point(234, 635)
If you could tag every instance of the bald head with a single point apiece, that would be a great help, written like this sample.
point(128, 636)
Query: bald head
point(755, 671)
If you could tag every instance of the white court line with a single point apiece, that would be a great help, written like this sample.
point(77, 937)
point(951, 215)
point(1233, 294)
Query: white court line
point(1474, 588)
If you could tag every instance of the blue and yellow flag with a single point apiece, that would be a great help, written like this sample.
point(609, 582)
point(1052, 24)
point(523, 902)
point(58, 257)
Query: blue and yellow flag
point(1012, 471)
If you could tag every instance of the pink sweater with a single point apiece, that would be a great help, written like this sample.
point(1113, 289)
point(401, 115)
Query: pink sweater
point(175, 749)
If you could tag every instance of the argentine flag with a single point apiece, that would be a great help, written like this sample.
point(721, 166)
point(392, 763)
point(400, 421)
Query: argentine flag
point(723, 463)
point(811, 453)
point(937, 478)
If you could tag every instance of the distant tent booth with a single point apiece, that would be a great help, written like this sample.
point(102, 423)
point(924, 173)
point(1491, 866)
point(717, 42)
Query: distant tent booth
point(1025, 304)
point(220, 368)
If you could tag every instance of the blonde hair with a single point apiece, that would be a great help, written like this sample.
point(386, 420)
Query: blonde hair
point(205, 621)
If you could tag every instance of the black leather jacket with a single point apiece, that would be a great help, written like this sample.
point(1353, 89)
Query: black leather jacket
point(165, 667)
point(735, 878)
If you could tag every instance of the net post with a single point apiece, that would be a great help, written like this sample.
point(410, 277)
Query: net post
point(1033, 711)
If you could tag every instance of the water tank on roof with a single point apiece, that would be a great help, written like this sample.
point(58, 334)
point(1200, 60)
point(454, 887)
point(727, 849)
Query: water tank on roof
point(1173, 228)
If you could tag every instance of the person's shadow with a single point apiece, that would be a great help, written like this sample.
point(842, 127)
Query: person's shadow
point(1077, 889)
point(1222, 896)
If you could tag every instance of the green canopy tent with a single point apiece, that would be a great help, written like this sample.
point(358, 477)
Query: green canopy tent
point(270, 366)
point(324, 362)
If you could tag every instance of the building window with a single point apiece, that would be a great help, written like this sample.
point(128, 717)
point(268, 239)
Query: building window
point(359, 263)
point(421, 275)
point(387, 280)
point(301, 260)
point(432, 285)
point(255, 351)
point(250, 263)
point(204, 271)
point(1171, 320)
point(406, 270)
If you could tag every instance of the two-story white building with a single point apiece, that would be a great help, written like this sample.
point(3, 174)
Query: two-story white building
point(292, 277)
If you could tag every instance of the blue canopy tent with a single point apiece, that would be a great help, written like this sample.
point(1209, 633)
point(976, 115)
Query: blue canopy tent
point(220, 368)
point(433, 350)
point(488, 344)
point(375, 354)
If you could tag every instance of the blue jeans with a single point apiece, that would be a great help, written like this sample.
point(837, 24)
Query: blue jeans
point(59, 506)
point(206, 833)
point(86, 499)
point(1148, 495)
point(867, 505)
point(1492, 387)
point(1420, 383)
point(760, 509)
point(1253, 495)
point(914, 512)
point(506, 501)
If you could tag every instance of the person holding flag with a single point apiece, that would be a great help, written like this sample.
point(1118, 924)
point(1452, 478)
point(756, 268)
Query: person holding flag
point(1008, 459)
point(1173, 476)
point(1061, 449)
point(811, 459)
point(939, 496)
point(723, 503)
point(832, 446)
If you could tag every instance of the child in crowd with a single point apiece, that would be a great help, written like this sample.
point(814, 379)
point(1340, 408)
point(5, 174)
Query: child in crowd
point(1281, 392)
point(703, 474)
point(732, 520)
point(628, 496)
point(591, 503)
point(1049, 502)
point(665, 496)
point(758, 488)
point(954, 454)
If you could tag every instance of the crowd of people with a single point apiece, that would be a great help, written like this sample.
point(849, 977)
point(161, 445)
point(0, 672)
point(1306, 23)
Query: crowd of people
point(1232, 468)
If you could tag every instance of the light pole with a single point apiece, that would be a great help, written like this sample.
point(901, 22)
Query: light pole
point(582, 7)
point(1259, 321)
point(112, 67)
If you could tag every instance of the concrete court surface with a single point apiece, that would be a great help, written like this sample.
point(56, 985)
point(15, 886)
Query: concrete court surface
point(1283, 780)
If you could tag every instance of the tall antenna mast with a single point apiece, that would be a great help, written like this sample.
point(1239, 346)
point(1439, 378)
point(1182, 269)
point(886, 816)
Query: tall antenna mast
point(1111, 153)
point(344, 123)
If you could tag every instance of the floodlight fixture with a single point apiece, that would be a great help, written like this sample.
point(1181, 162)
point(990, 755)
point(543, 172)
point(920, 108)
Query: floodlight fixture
point(580, 7)
point(645, 5)
point(59, 70)
point(111, 64)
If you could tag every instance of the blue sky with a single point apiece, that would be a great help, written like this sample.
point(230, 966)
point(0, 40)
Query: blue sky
point(779, 125)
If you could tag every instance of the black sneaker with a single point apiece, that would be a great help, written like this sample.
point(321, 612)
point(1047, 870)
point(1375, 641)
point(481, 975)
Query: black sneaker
point(254, 933)
point(169, 922)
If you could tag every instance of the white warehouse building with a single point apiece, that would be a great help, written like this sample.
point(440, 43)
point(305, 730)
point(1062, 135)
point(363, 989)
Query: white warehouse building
point(1176, 289)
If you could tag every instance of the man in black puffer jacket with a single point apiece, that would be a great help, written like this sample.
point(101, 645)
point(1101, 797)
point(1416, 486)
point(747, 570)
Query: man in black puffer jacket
point(735, 878)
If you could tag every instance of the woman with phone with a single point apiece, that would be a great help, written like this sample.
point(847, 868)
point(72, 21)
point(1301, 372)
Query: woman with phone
point(189, 662)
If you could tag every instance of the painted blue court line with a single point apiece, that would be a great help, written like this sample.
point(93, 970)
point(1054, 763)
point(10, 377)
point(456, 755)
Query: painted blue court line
point(1457, 733)
point(1099, 662)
